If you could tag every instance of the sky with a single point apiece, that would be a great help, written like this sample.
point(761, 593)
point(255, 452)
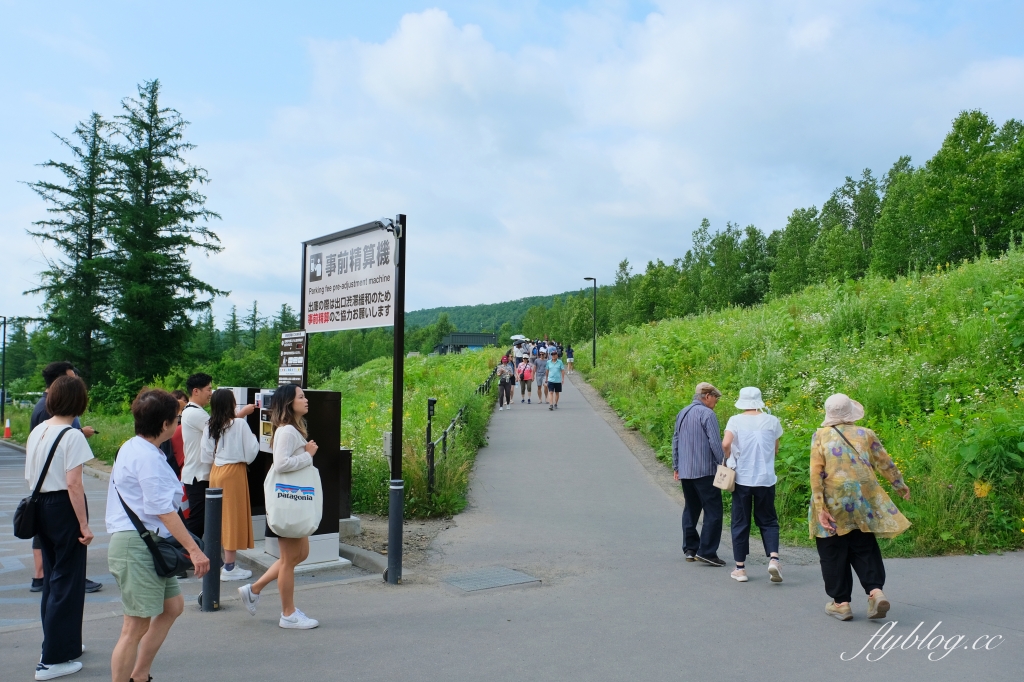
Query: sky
point(530, 144)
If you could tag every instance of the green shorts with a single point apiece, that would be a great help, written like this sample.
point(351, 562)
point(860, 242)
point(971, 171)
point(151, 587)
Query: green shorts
point(142, 591)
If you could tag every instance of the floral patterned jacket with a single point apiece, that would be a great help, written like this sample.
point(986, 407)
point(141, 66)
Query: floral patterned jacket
point(845, 481)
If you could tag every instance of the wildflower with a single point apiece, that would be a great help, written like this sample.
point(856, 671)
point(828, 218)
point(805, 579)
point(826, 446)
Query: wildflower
point(982, 489)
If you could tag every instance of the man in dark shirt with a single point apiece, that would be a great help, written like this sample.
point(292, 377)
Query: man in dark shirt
point(51, 373)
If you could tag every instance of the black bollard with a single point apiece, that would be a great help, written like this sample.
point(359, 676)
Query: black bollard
point(211, 542)
point(395, 523)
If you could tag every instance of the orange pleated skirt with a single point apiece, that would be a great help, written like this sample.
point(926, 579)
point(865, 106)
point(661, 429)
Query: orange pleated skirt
point(236, 520)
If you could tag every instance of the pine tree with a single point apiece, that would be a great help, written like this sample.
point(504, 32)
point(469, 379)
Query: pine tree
point(159, 217)
point(73, 282)
point(286, 319)
point(233, 330)
point(253, 322)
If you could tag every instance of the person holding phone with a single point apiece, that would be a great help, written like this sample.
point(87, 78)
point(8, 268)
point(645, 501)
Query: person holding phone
point(849, 508)
point(292, 452)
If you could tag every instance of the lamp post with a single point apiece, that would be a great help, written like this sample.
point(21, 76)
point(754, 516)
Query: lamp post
point(594, 280)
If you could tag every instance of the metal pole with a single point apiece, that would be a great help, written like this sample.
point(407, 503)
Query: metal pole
point(594, 360)
point(396, 495)
point(211, 547)
point(3, 377)
point(430, 468)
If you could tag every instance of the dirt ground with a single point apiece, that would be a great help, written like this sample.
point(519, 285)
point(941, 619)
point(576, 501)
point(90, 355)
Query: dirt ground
point(416, 536)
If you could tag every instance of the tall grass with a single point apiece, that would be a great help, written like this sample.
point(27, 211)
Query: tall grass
point(111, 430)
point(366, 415)
point(936, 370)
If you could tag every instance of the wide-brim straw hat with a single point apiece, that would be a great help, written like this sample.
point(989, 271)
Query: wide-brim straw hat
point(841, 409)
point(750, 399)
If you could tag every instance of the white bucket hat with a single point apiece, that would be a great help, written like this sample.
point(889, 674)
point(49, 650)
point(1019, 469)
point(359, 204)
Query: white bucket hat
point(750, 399)
point(841, 409)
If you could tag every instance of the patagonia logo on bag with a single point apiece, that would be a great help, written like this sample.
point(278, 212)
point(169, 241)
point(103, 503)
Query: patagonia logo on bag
point(294, 492)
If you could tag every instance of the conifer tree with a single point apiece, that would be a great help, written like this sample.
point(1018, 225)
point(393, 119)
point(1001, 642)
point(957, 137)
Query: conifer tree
point(74, 282)
point(159, 217)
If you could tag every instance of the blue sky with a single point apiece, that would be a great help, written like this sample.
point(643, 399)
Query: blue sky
point(531, 144)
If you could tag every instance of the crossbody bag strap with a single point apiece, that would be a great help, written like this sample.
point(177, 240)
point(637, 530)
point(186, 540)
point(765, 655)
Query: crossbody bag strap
point(46, 465)
point(852, 446)
point(147, 535)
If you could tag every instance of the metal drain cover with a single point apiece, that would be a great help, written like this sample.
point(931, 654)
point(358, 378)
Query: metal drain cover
point(489, 578)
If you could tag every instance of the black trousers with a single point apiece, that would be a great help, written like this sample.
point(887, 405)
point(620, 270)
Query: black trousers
point(701, 495)
point(505, 393)
point(839, 553)
point(761, 501)
point(63, 599)
point(196, 521)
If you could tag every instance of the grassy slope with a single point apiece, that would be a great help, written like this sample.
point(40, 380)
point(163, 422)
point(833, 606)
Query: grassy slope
point(922, 354)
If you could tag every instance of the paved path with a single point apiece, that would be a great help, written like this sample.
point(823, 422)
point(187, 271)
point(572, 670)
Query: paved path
point(558, 496)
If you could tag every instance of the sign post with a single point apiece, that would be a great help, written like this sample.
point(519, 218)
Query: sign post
point(291, 368)
point(355, 279)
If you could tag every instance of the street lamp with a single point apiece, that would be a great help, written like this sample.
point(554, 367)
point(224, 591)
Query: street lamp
point(594, 280)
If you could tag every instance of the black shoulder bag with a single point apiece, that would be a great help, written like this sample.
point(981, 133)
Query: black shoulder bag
point(25, 515)
point(169, 557)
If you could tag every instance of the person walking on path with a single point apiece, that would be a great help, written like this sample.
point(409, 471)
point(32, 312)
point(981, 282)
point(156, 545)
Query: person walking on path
point(62, 524)
point(525, 373)
point(750, 444)
point(555, 368)
point(540, 375)
point(568, 359)
point(506, 382)
point(142, 481)
point(696, 454)
point(230, 446)
point(292, 452)
point(849, 508)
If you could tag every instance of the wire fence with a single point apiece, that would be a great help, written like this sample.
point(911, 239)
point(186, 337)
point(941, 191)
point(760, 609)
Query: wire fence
point(449, 431)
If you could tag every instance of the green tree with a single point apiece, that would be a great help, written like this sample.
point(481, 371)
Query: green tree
point(253, 322)
point(286, 319)
point(159, 216)
point(233, 329)
point(755, 267)
point(73, 283)
point(792, 268)
point(899, 238)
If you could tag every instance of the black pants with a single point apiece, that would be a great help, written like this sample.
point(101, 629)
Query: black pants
point(761, 501)
point(701, 495)
point(196, 521)
point(63, 599)
point(505, 393)
point(839, 553)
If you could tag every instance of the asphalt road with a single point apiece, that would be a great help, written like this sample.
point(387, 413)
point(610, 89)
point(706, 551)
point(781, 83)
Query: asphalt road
point(558, 496)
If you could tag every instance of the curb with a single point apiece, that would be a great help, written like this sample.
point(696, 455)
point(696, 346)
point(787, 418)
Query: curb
point(93, 468)
point(363, 558)
point(12, 444)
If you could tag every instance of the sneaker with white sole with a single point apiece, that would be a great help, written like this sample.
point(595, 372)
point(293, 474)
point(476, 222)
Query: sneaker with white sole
point(49, 672)
point(236, 573)
point(298, 621)
point(739, 575)
point(775, 571)
point(249, 598)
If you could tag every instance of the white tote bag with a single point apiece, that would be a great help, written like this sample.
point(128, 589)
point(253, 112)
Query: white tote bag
point(295, 502)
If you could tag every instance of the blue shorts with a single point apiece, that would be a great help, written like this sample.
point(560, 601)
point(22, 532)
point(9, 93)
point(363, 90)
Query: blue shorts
point(555, 386)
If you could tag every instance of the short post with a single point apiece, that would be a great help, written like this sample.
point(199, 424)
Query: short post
point(430, 468)
point(395, 523)
point(444, 442)
point(211, 547)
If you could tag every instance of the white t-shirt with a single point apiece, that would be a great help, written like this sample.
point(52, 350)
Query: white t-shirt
point(148, 486)
point(290, 450)
point(193, 420)
point(753, 448)
point(73, 451)
point(236, 444)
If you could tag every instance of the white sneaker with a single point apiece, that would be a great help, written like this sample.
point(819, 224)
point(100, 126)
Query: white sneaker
point(236, 573)
point(298, 621)
point(249, 598)
point(49, 672)
point(775, 571)
point(500, 409)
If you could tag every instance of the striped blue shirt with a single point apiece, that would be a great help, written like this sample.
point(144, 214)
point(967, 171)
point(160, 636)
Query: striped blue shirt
point(697, 442)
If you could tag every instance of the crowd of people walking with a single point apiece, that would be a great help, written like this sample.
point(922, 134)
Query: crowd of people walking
point(533, 362)
point(848, 507)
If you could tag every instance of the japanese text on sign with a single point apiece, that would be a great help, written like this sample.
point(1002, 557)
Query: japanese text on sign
point(350, 283)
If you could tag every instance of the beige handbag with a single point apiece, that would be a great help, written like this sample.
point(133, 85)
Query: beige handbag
point(725, 478)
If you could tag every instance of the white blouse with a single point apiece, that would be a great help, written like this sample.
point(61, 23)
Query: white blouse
point(236, 444)
point(290, 450)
